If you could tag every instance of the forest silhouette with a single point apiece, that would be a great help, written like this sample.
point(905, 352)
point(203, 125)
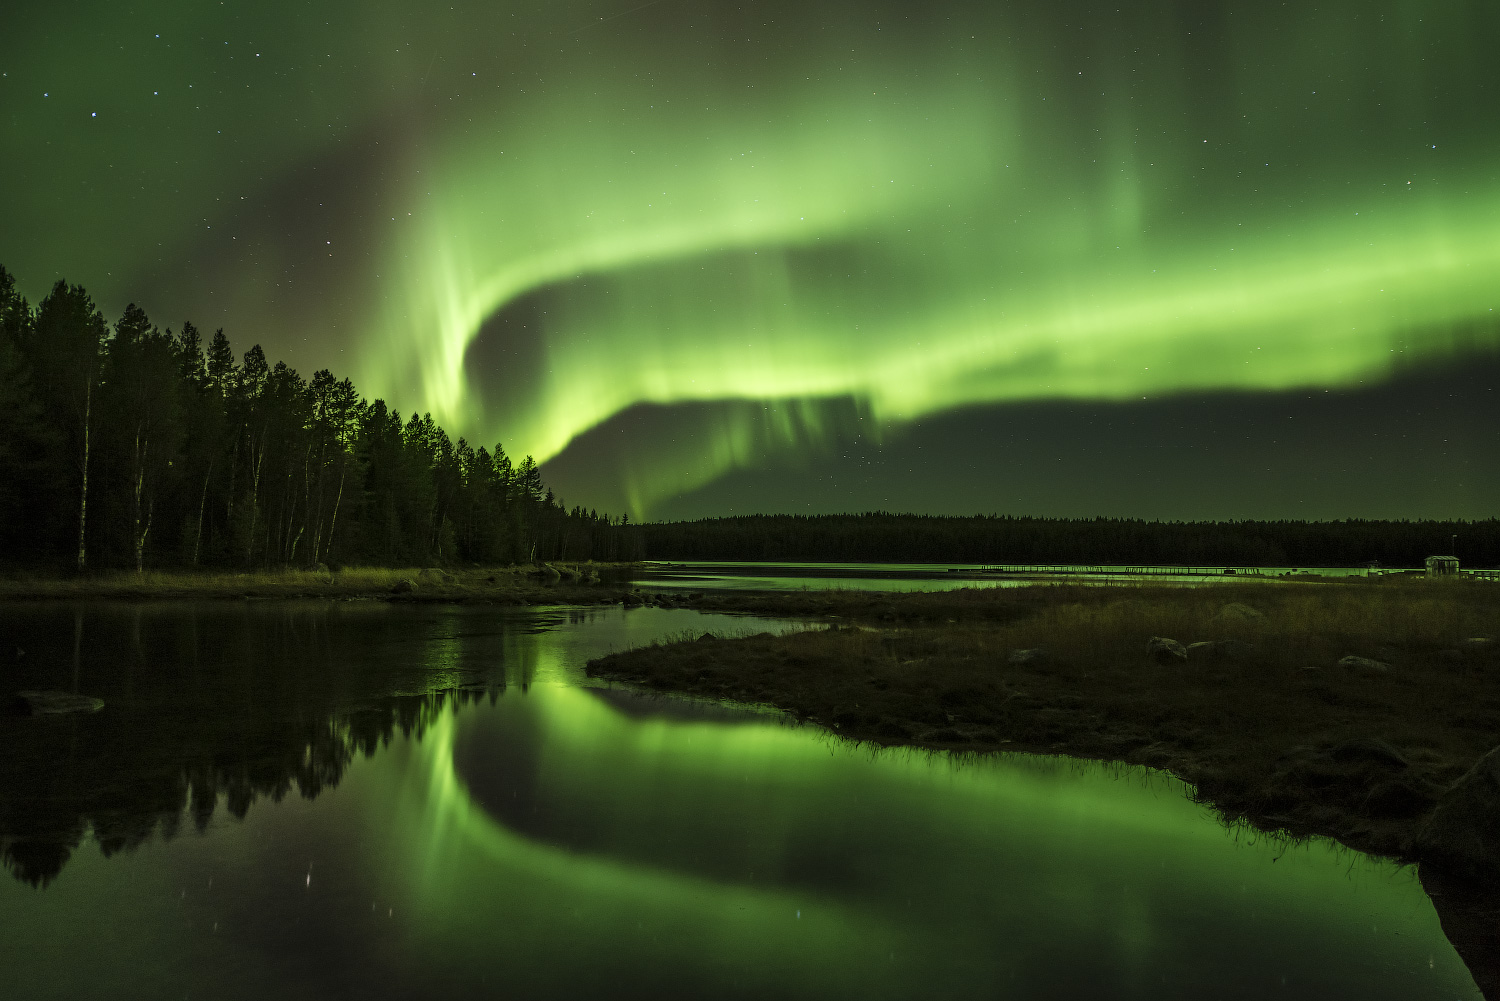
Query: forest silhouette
point(128, 446)
point(132, 446)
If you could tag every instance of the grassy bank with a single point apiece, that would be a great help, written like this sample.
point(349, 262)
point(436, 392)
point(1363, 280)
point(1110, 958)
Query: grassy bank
point(556, 583)
point(1266, 724)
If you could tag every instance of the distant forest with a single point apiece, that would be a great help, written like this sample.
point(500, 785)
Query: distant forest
point(130, 446)
point(878, 537)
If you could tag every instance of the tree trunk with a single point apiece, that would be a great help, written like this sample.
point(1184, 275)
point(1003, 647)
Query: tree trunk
point(137, 537)
point(333, 519)
point(259, 457)
point(202, 502)
point(140, 546)
point(83, 494)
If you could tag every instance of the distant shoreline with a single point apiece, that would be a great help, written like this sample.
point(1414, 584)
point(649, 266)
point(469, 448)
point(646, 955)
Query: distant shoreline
point(559, 583)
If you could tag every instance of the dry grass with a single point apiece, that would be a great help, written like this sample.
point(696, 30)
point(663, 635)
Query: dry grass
point(1279, 733)
point(571, 583)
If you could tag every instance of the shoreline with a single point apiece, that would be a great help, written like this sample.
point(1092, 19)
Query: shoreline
point(556, 583)
point(1265, 723)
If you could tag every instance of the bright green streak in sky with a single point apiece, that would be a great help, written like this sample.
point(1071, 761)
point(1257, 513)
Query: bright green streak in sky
point(921, 231)
point(793, 209)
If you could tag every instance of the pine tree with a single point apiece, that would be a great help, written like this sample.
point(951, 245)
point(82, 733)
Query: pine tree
point(65, 349)
point(141, 395)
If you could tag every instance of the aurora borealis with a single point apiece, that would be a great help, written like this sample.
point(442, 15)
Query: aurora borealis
point(788, 255)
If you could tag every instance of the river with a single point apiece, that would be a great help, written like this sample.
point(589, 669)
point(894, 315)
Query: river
point(788, 576)
point(360, 799)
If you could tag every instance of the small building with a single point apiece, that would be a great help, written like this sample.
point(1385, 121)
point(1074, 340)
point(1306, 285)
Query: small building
point(1442, 566)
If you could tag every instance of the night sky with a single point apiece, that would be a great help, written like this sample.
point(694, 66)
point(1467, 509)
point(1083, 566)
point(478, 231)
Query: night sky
point(1166, 260)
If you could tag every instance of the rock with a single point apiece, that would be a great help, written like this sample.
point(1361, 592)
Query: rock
point(1237, 612)
point(1477, 644)
point(1166, 651)
point(1463, 833)
point(52, 703)
point(403, 586)
point(1031, 655)
point(1365, 664)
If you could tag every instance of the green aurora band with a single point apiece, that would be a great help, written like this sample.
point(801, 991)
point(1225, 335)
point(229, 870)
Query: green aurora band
point(830, 215)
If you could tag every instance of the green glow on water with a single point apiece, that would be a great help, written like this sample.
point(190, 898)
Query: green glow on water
point(1125, 873)
point(560, 842)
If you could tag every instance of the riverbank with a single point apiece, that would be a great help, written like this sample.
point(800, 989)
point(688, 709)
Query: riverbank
point(558, 583)
point(1336, 709)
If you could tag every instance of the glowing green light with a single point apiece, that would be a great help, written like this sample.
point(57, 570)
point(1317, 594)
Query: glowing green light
point(913, 248)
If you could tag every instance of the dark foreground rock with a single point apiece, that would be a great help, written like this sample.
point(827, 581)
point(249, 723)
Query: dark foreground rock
point(54, 703)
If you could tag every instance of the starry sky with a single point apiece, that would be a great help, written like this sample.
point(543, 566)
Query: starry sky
point(1159, 259)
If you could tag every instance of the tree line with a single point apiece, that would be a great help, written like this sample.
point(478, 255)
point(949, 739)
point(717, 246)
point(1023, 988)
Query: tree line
point(131, 446)
point(879, 537)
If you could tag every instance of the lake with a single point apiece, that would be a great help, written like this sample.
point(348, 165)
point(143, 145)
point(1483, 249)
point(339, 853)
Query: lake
point(359, 799)
point(789, 576)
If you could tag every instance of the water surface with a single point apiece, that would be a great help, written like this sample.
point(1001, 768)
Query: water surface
point(325, 799)
point(789, 576)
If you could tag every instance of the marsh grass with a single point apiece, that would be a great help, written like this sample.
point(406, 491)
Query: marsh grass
point(504, 585)
point(1278, 733)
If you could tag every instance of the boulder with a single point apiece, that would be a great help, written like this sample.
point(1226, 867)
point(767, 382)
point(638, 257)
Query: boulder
point(1463, 833)
point(1365, 664)
point(403, 586)
point(1477, 644)
point(1238, 612)
point(1162, 650)
point(54, 703)
point(1031, 655)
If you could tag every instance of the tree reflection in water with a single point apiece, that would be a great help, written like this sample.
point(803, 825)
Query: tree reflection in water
point(217, 701)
